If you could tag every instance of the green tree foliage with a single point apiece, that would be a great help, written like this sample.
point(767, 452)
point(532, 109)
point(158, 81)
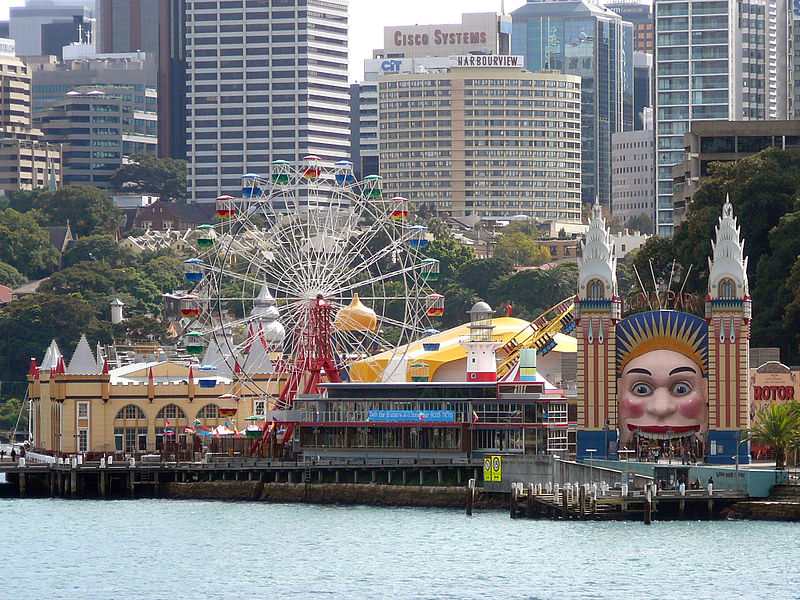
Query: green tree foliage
point(26, 246)
point(660, 253)
point(10, 412)
point(533, 291)
point(483, 275)
point(165, 272)
point(29, 324)
point(88, 209)
point(145, 174)
point(98, 284)
point(100, 248)
point(450, 254)
point(10, 277)
point(141, 328)
point(521, 250)
point(642, 223)
point(777, 426)
point(438, 228)
point(791, 319)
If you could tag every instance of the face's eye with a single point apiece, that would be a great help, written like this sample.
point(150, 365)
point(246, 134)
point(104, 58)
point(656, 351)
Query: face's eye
point(641, 389)
point(681, 388)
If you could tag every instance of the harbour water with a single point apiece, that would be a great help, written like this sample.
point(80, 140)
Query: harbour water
point(132, 549)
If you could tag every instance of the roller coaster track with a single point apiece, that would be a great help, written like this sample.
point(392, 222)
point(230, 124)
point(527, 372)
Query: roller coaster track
point(539, 334)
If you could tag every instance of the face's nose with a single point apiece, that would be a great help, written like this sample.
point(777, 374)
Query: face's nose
point(661, 404)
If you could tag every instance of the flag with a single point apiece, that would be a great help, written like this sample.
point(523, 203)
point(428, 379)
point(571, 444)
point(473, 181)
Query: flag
point(166, 422)
point(197, 422)
point(236, 433)
point(188, 429)
point(474, 417)
point(169, 432)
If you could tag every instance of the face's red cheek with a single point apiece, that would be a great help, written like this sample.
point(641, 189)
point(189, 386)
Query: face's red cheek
point(631, 407)
point(692, 405)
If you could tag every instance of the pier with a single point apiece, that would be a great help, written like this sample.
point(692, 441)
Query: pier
point(599, 502)
point(151, 478)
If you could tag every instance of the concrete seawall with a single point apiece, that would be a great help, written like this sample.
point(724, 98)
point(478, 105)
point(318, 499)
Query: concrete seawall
point(341, 493)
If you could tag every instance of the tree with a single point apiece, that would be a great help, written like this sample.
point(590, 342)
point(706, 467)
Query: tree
point(10, 277)
point(146, 174)
point(165, 272)
point(529, 227)
point(641, 223)
point(521, 250)
point(450, 254)
point(29, 324)
point(26, 246)
point(482, 275)
point(659, 252)
point(88, 210)
point(438, 228)
point(102, 248)
point(11, 416)
point(777, 426)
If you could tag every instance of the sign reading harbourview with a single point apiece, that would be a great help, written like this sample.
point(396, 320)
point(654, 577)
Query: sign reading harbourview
point(484, 60)
point(404, 416)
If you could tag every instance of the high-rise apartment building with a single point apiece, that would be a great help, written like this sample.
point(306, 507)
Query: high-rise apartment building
point(640, 15)
point(642, 88)
point(489, 141)
point(266, 80)
point(26, 160)
point(582, 38)
point(718, 60)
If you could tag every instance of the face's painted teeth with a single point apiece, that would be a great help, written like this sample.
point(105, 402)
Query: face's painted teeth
point(661, 436)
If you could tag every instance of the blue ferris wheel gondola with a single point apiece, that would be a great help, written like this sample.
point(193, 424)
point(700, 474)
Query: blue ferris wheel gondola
point(249, 185)
point(193, 270)
point(344, 174)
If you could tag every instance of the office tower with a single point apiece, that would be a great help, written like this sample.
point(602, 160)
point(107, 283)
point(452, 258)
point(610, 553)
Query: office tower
point(265, 83)
point(737, 52)
point(26, 160)
point(478, 33)
point(99, 127)
point(156, 27)
point(40, 25)
point(52, 79)
point(642, 88)
point(582, 38)
point(364, 128)
point(640, 15)
point(633, 180)
point(489, 141)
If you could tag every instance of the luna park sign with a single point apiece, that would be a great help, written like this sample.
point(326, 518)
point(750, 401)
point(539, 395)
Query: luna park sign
point(690, 303)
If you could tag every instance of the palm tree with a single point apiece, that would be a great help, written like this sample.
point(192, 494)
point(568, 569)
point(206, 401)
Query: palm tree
point(777, 426)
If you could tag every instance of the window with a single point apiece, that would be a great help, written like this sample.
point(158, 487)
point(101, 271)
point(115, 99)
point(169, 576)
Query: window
point(209, 411)
point(595, 288)
point(83, 440)
point(259, 408)
point(83, 410)
point(131, 412)
point(171, 411)
point(727, 289)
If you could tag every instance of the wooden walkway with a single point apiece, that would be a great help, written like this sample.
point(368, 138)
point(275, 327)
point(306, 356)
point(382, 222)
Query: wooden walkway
point(590, 503)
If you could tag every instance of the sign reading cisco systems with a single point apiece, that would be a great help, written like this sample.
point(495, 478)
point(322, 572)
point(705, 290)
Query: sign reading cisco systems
point(438, 38)
point(405, 416)
point(481, 60)
point(7, 47)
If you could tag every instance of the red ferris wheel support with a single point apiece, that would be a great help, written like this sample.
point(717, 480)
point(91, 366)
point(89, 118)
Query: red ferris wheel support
point(313, 358)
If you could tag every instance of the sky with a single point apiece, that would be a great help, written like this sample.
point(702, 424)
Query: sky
point(369, 17)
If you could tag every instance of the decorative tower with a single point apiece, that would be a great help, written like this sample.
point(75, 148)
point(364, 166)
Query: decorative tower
point(481, 344)
point(597, 311)
point(728, 312)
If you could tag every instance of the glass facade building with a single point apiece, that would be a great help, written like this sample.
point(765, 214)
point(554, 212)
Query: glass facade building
point(585, 39)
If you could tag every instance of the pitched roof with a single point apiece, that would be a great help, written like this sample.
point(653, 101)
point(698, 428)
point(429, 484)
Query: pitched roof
point(83, 361)
point(60, 236)
point(258, 360)
point(51, 357)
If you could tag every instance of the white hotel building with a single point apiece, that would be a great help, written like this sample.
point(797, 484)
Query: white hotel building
point(266, 80)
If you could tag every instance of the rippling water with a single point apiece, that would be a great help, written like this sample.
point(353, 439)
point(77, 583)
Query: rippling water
point(154, 549)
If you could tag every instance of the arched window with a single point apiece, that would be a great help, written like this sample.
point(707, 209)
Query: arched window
point(596, 289)
point(171, 411)
point(131, 412)
point(727, 289)
point(209, 411)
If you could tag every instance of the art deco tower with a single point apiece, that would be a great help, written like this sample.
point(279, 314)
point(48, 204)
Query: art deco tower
point(728, 312)
point(597, 311)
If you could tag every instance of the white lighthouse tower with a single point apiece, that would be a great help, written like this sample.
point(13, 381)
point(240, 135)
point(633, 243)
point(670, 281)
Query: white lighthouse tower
point(481, 345)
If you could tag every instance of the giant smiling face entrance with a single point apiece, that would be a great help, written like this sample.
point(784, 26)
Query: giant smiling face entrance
point(662, 385)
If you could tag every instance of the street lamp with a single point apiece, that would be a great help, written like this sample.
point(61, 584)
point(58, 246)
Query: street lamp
point(591, 463)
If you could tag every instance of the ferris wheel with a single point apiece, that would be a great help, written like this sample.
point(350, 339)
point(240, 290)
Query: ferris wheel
point(308, 272)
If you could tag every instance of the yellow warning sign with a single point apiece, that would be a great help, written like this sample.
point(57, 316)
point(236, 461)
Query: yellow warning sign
point(487, 468)
point(497, 468)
